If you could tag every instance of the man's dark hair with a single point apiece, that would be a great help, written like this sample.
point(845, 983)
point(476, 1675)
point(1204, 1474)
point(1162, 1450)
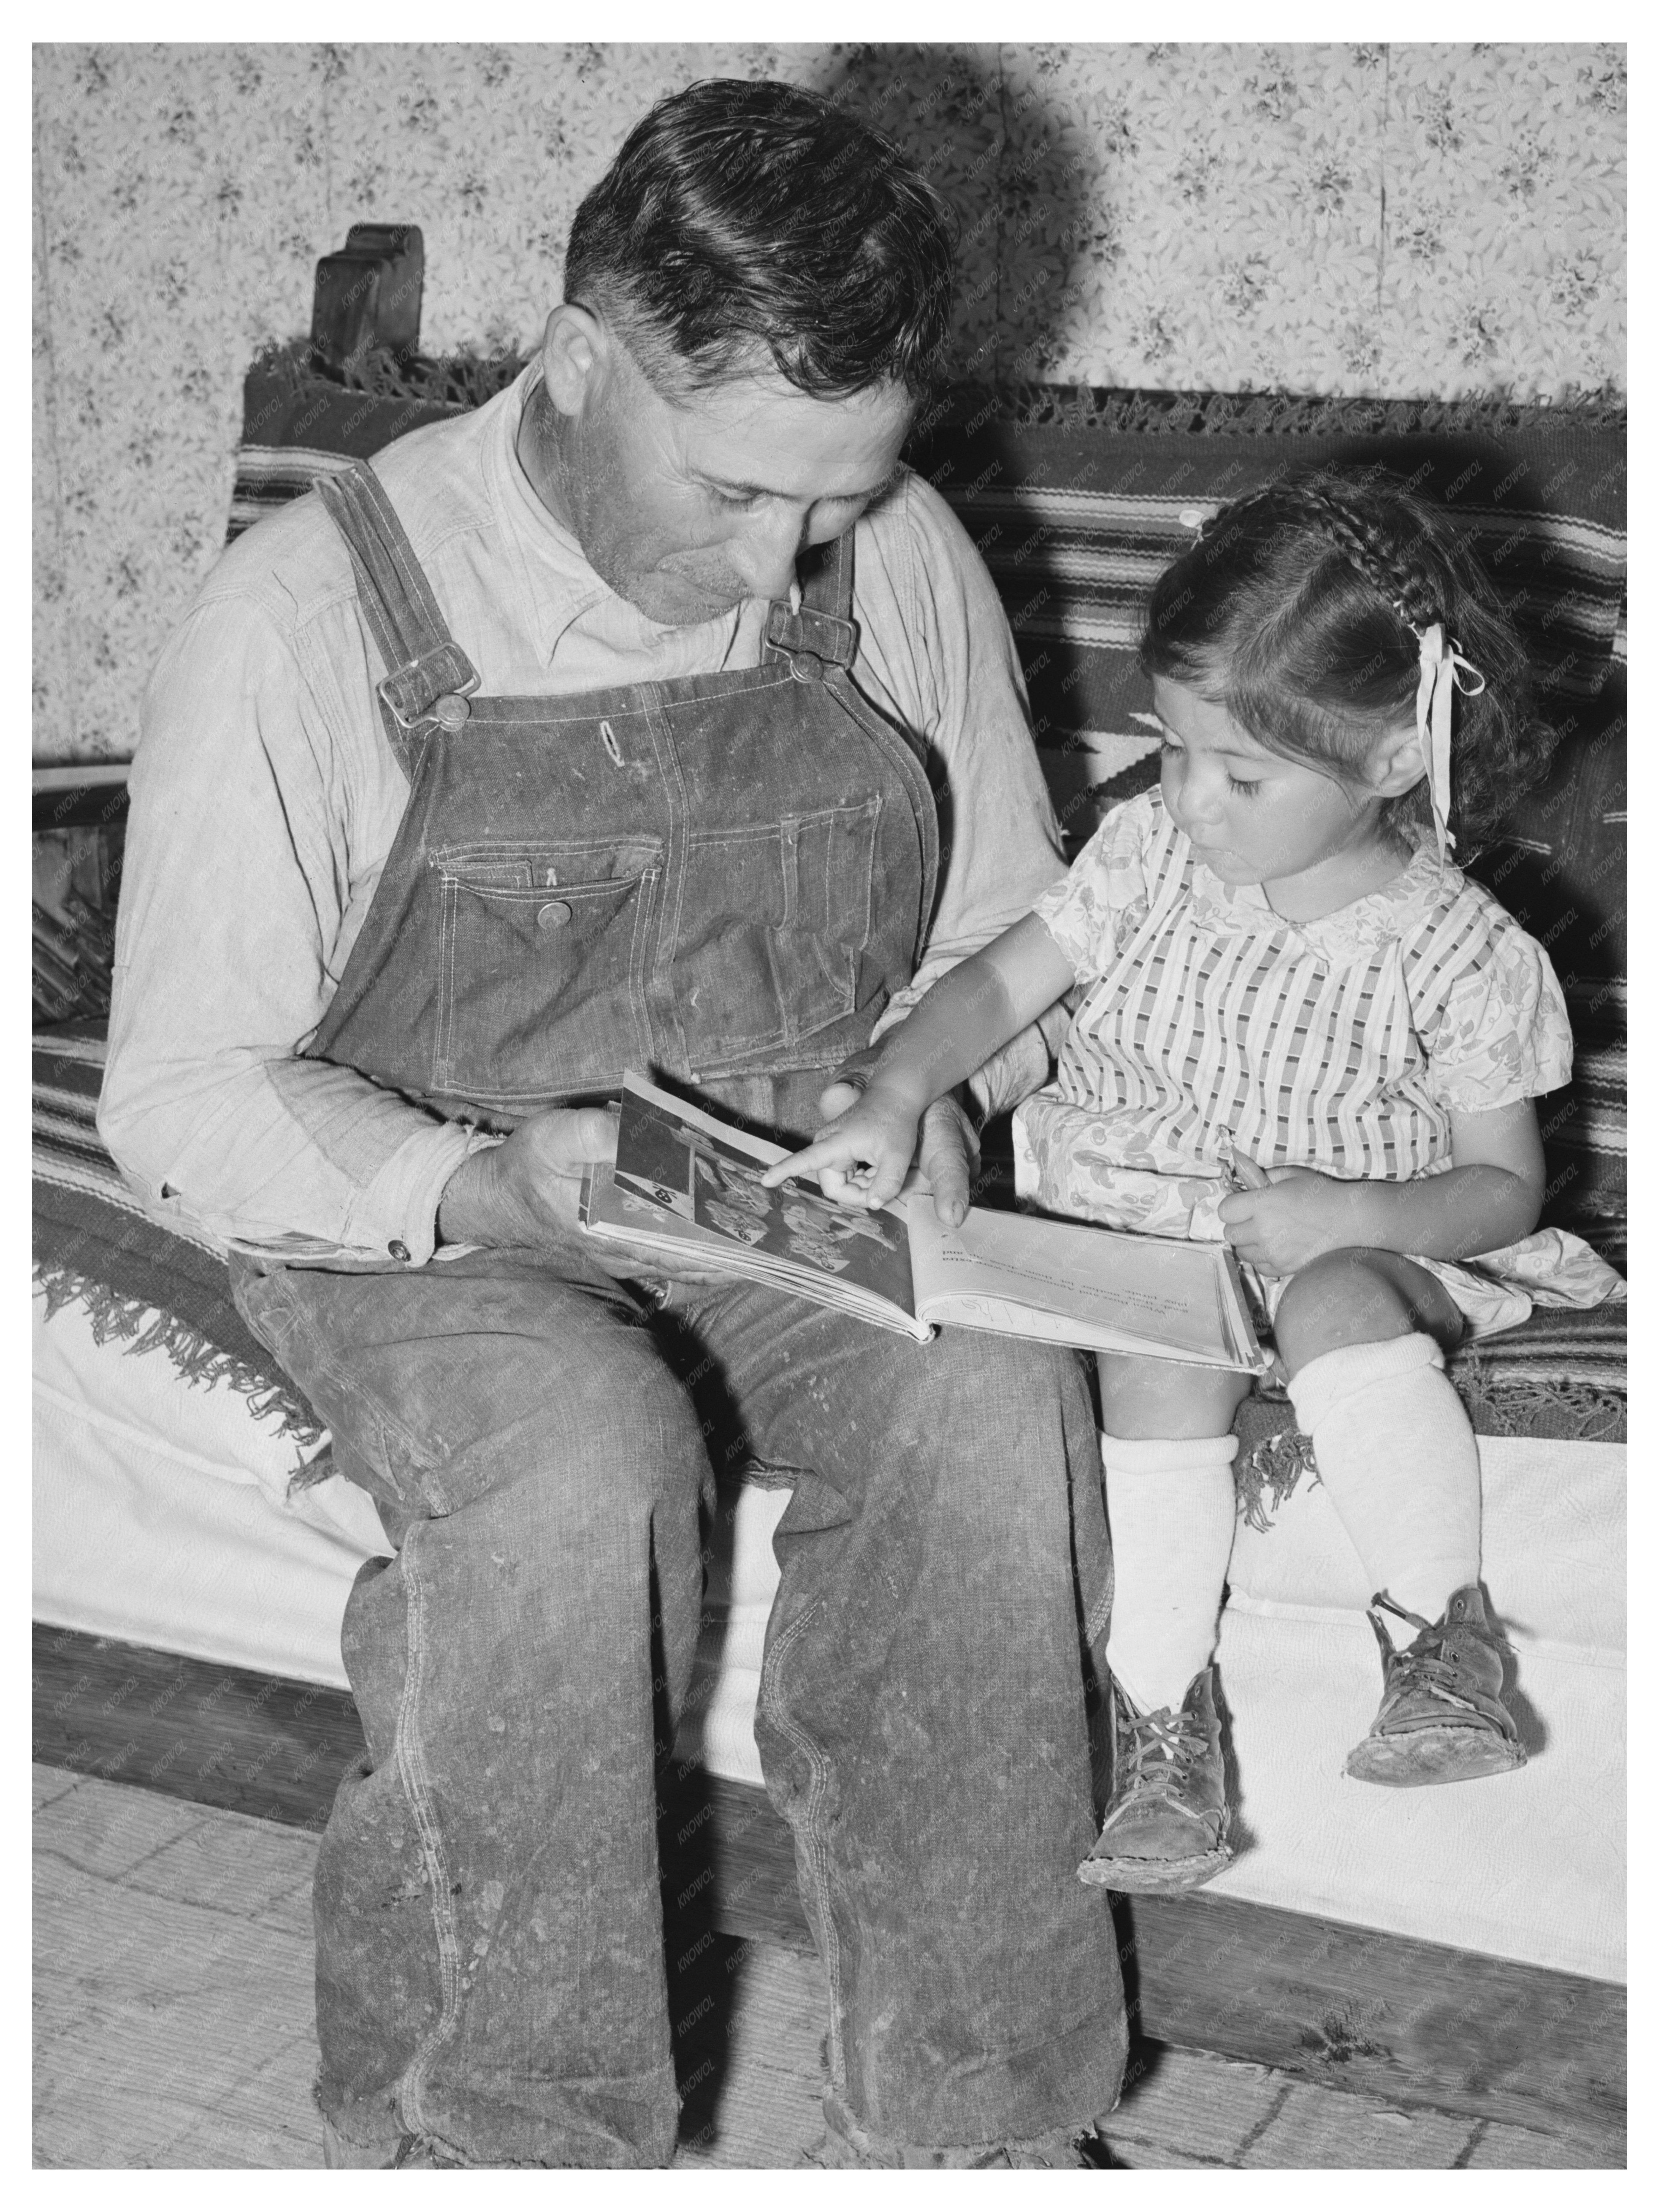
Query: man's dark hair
point(742, 221)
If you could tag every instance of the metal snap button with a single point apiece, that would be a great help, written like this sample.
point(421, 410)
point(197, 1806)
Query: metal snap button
point(553, 914)
point(807, 667)
point(451, 711)
point(398, 1249)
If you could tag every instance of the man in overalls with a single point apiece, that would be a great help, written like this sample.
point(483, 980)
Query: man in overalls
point(616, 725)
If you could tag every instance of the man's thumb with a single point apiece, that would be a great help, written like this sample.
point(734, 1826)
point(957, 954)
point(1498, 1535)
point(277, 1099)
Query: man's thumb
point(588, 1132)
point(838, 1099)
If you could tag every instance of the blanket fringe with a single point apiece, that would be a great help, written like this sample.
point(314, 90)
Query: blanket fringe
point(468, 378)
point(1289, 414)
point(1578, 1409)
point(1270, 1470)
point(1575, 1409)
point(118, 1319)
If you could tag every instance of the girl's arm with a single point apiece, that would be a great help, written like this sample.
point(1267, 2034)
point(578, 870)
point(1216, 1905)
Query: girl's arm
point(864, 1157)
point(1491, 1195)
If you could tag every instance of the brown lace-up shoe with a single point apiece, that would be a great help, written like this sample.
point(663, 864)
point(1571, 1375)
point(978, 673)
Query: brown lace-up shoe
point(1443, 1717)
point(1166, 1826)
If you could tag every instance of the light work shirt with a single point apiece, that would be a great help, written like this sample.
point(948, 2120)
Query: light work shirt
point(265, 798)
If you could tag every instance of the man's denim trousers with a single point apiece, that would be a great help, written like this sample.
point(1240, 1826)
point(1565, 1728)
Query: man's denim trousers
point(490, 1974)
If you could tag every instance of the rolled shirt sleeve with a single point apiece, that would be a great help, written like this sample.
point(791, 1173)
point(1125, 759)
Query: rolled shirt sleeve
point(230, 938)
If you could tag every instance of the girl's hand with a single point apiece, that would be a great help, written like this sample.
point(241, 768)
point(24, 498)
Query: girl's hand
point(1288, 1216)
point(860, 1159)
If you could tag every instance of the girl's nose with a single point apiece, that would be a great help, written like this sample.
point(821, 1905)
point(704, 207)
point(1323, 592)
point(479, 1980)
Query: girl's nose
point(1202, 797)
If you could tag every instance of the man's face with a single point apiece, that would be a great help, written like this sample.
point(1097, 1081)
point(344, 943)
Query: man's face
point(687, 507)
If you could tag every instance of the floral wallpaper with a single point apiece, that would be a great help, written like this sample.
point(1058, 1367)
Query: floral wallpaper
point(1403, 221)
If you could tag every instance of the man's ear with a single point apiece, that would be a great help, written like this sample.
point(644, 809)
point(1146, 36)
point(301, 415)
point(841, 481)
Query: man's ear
point(1397, 764)
point(574, 351)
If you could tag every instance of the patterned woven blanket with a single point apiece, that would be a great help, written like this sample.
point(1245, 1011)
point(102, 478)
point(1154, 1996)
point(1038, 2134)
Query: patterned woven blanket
point(1076, 499)
point(143, 1282)
point(146, 1283)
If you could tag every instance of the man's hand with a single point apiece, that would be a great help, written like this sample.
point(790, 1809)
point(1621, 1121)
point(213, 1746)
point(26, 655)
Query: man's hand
point(527, 1194)
point(1291, 1215)
point(949, 1157)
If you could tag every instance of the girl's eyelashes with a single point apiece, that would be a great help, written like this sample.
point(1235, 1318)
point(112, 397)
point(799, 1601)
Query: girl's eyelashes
point(1172, 750)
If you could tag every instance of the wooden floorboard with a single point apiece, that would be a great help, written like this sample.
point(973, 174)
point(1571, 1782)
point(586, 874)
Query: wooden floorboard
point(174, 2025)
point(1415, 2025)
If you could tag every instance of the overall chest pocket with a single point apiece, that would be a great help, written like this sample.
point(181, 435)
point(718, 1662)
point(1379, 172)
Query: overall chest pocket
point(768, 929)
point(541, 959)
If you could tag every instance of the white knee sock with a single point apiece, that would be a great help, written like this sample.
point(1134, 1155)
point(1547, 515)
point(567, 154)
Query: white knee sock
point(1397, 1455)
point(1171, 1504)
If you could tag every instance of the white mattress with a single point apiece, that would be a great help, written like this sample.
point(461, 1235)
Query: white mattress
point(1528, 1865)
point(163, 1516)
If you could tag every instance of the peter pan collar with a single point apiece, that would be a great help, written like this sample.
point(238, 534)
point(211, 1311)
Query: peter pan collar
point(1361, 926)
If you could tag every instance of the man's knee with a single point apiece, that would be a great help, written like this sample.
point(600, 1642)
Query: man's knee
point(453, 1388)
point(1013, 1378)
point(600, 1422)
point(1005, 1419)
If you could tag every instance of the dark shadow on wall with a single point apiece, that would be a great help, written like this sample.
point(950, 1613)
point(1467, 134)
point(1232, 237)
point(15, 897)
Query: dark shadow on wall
point(1026, 215)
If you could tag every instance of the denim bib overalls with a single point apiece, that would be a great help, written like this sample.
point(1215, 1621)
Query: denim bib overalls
point(719, 880)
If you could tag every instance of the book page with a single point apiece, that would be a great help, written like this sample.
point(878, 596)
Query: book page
point(681, 1175)
point(1172, 1298)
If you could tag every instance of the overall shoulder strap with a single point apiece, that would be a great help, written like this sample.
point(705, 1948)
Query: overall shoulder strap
point(423, 664)
point(823, 629)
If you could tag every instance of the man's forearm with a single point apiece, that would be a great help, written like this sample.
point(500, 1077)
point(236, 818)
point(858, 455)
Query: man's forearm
point(259, 1150)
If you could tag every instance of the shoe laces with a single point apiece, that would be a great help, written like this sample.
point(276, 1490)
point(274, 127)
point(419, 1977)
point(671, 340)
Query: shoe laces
point(1426, 1668)
point(1163, 1748)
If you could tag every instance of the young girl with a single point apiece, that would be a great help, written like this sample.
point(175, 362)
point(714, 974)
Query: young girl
point(1302, 1029)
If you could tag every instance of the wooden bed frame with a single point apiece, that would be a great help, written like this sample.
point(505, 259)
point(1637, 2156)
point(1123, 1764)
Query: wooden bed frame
point(1413, 2024)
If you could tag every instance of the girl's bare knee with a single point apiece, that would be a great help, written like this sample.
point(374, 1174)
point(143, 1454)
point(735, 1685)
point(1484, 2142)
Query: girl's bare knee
point(1360, 1296)
point(1165, 1398)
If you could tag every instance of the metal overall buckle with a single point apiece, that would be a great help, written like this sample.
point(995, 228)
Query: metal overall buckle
point(433, 688)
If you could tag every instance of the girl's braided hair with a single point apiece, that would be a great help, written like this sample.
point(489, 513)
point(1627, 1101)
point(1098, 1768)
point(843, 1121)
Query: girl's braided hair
point(1298, 608)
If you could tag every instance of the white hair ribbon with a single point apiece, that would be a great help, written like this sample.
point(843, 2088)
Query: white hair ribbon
point(1440, 668)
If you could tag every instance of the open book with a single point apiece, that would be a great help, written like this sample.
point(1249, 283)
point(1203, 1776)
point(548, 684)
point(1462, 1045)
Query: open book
point(688, 1184)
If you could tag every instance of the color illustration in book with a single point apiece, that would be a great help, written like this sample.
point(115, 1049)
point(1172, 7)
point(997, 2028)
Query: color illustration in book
point(703, 1175)
point(684, 1181)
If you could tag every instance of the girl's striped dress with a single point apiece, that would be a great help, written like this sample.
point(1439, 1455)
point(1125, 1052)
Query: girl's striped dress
point(1209, 1025)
